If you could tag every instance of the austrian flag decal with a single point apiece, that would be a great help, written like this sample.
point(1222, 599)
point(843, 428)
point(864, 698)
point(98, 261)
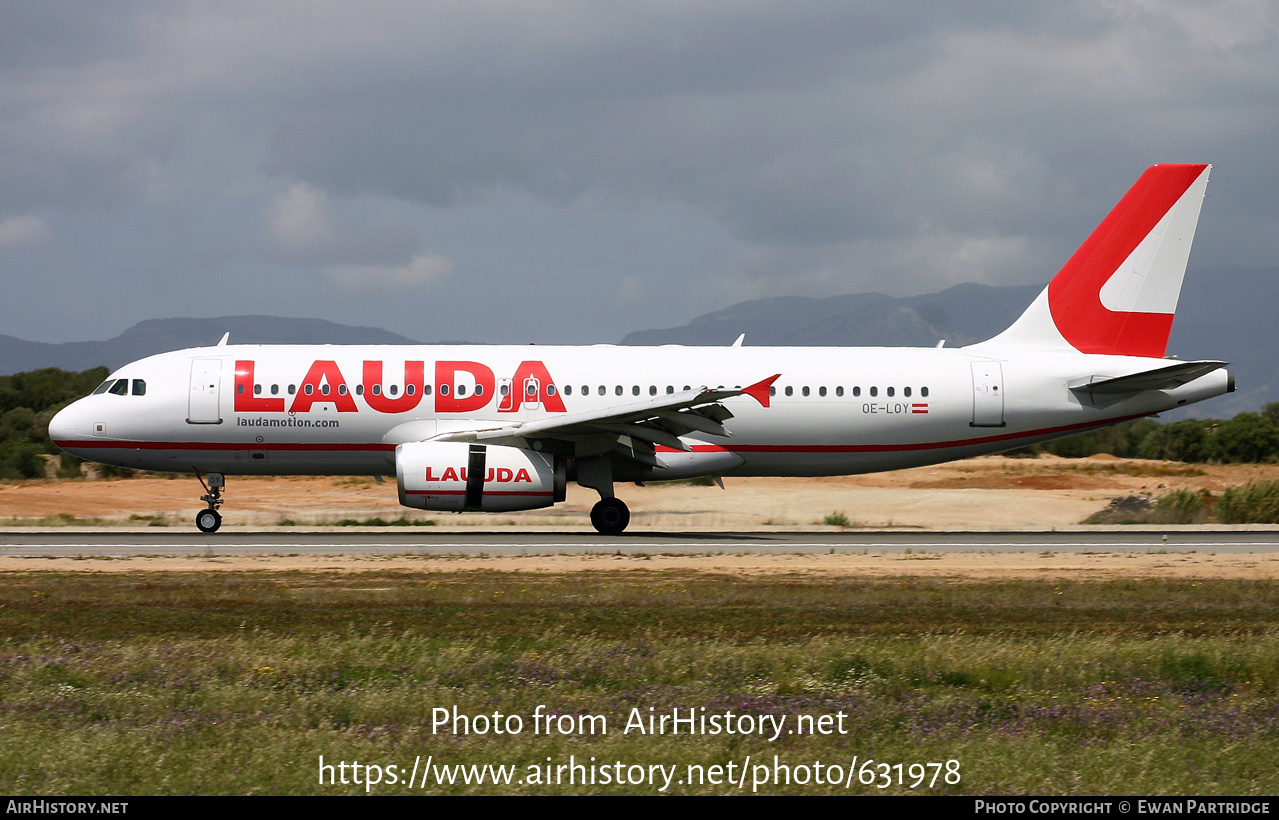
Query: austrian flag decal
point(919, 408)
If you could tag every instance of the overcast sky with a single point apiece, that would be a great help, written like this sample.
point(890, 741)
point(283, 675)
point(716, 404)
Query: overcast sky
point(572, 171)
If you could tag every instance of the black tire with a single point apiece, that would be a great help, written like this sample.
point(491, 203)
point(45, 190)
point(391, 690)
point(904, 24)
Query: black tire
point(610, 516)
point(208, 520)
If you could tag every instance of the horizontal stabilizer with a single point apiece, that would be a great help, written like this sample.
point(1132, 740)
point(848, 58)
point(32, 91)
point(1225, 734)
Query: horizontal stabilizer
point(1161, 378)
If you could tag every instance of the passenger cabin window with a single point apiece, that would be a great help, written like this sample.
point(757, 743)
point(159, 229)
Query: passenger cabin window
point(857, 391)
point(821, 391)
point(805, 390)
point(479, 390)
point(923, 391)
point(790, 391)
point(395, 389)
point(550, 390)
point(890, 392)
point(839, 391)
point(568, 389)
point(906, 392)
point(257, 389)
point(874, 391)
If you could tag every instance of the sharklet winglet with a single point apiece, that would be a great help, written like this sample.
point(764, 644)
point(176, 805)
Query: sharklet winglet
point(759, 390)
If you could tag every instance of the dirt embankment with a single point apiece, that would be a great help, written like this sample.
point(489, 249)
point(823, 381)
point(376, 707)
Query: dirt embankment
point(984, 493)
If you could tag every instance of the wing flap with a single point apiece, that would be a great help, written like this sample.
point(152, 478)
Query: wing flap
point(636, 427)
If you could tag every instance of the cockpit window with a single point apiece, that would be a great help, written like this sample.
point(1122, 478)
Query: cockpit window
point(104, 387)
point(139, 387)
point(120, 388)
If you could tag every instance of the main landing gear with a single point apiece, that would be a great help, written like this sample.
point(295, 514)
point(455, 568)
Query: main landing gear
point(610, 516)
point(209, 520)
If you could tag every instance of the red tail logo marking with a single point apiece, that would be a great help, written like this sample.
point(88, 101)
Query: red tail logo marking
point(1074, 295)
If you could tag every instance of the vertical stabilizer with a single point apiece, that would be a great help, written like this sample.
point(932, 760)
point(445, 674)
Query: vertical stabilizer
point(1118, 293)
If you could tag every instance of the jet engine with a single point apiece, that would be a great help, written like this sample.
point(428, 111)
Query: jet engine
point(457, 476)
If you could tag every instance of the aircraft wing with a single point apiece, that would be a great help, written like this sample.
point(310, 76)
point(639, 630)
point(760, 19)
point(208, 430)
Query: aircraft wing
point(633, 429)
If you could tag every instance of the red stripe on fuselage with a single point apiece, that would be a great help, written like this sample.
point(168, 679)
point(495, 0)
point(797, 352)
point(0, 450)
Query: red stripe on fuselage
point(114, 444)
point(697, 448)
point(927, 445)
point(486, 493)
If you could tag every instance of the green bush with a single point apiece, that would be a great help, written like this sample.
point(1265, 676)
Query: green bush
point(1182, 507)
point(1123, 440)
point(1247, 438)
point(21, 461)
point(69, 466)
point(1179, 441)
point(1256, 503)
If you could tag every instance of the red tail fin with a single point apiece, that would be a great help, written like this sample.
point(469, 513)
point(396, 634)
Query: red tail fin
point(1118, 293)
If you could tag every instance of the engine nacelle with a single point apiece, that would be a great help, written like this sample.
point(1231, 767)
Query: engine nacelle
point(454, 476)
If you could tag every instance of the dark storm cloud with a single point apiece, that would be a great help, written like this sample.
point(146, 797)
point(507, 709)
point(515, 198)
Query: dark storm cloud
point(647, 157)
point(67, 34)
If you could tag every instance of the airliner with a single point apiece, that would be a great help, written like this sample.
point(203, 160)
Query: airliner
point(502, 428)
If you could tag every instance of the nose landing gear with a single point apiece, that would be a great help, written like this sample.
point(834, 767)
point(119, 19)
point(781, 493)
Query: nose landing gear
point(209, 520)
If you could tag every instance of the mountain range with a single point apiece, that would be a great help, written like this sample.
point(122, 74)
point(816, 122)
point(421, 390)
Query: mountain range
point(1223, 314)
point(160, 335)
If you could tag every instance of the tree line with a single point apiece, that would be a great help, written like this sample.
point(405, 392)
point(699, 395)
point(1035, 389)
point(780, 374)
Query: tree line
point(27, 402)
point(1248, 438)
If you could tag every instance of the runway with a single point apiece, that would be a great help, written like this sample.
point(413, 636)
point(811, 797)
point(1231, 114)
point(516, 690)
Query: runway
point(111, 544)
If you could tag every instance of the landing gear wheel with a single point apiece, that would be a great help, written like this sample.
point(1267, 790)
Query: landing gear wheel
point(610, 516)
point(208, 520)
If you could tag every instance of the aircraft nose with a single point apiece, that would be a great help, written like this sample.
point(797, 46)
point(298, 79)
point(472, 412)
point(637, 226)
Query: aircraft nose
point(63, 426)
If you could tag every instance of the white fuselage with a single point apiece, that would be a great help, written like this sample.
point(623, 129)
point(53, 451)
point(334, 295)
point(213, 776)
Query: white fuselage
point(833, 411)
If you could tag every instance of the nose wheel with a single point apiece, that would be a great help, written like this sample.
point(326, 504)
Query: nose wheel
point(610, 516)
point(209, 520)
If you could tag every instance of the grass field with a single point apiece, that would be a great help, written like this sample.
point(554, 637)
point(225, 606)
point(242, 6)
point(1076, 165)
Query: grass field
point(237, 682)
